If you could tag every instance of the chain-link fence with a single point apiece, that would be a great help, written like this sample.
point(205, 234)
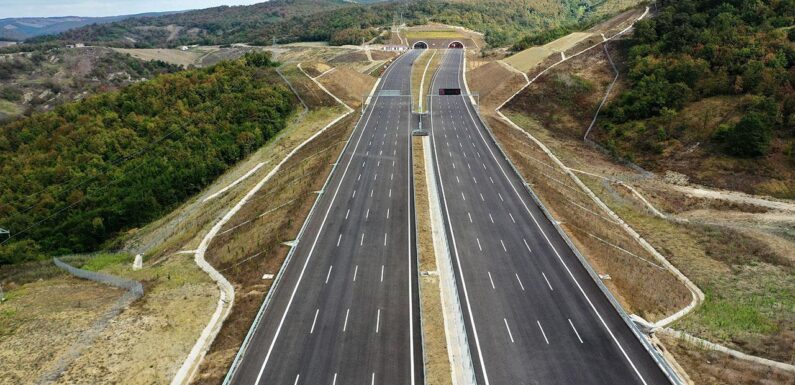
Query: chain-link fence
point(134, 287)
point(134, 290)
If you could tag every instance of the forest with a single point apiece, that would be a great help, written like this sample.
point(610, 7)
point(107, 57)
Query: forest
point(502, 21)
point(76, 178)
point(698, 49)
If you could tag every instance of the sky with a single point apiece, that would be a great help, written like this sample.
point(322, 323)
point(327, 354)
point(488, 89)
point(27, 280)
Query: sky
point(48, 8)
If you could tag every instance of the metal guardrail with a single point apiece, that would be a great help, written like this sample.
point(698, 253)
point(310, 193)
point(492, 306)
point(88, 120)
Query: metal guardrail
point(280, 274)
point(451, 271)
point(653, 352)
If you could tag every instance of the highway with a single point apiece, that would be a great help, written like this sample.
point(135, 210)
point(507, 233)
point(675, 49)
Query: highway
point(532, 312)
point(346, 310)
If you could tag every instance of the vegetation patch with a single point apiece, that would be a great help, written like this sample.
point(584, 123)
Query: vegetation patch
point(710, 95)
point(78, 176)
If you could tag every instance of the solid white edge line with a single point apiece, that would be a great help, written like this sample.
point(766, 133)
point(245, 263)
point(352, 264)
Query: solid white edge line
point(582, 291)
point(314, 243)
point(458, 260)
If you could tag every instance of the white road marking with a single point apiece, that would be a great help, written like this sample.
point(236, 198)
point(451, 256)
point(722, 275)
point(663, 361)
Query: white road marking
point(509, 329)
point(526, 245)
point(371, 193)
point(545, 279)
point(478, 239)
point(378, 321)
point(355, 272)
point(470, 217)
point(492, 218)
point(387, 213)
point(359, 177)
point(346, 213)
point(514, 220)
point(314, 321)
point(520, 281)
point(475, 179)
point(329, 272)
point(492, 180)
point(372, 379)
point(390, 193)
point(354, 194)
point(542, 331)
point(367, 214)
point(482, 198)
point(575, 330)
point(491, 280)
point(501, 197)
point(503, 245)
point(375, 176)
point(345, 325)
point(385, 239)
point(361, 242)
point(458, 180)
point(392, 176)
point(335, 379)
point(296, 379)
point(339, 239)
point(382, 273)
point(463, 196)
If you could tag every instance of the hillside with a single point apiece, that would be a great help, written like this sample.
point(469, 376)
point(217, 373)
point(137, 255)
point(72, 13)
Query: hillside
point(44, 79)
point(204, 26)
point(76, 177)
point(709, 94)
point(21, 28)
point(502, 21)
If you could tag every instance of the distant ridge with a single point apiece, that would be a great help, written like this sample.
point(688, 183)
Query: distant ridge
point(21, 28)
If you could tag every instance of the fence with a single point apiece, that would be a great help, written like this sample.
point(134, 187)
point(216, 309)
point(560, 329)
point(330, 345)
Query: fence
point(133, 287)
point(134, 291)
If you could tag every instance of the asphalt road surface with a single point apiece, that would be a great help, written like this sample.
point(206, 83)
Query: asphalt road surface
point(533, 314)
point(347, 308)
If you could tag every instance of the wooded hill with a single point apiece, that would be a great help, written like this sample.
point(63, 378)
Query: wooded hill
point(502, 21)
point(714, 78)
point(76, 177)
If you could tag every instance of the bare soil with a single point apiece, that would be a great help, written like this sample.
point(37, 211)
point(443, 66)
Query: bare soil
point(252, 242)
point(348, 85)
point(708, 367)
point(41, 320)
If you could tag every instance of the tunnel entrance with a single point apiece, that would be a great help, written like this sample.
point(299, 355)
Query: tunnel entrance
point(456, 44)
point(420, 45)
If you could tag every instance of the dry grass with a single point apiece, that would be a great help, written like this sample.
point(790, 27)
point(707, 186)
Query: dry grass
point(494, 82)
point(165, 323)
point(253, 245)
point(437, 363)
point(173, 56)
point(640, 284)
point(348, 85)
point(432, 58)
point(707, 367)
point(422, 208)
point(525, 60)
point(40, 320)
